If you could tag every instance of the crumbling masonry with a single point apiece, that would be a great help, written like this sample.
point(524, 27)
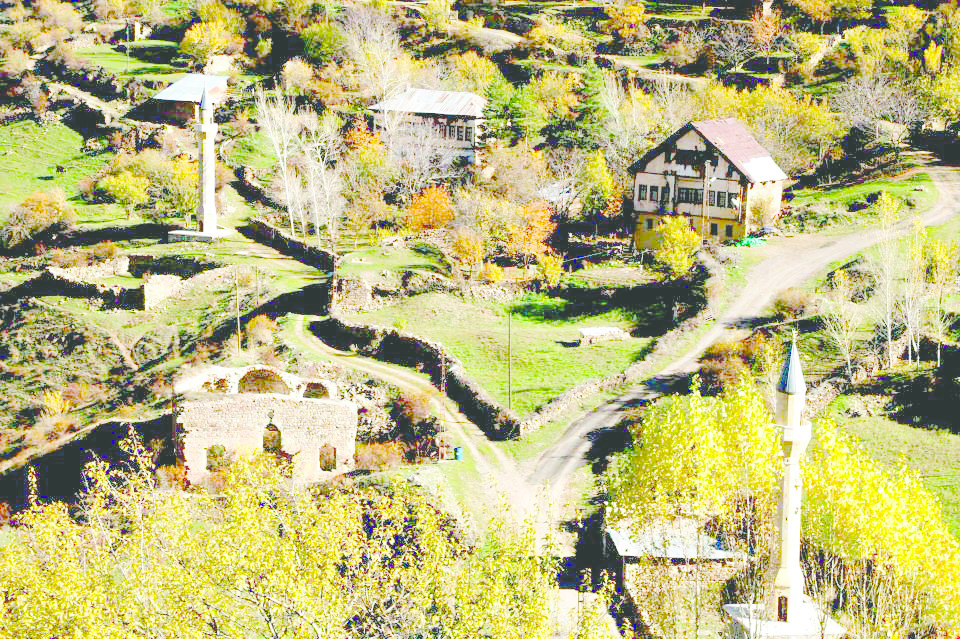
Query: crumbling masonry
point(225, 412)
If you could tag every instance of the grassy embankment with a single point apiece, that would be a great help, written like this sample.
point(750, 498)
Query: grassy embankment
point(540, 332)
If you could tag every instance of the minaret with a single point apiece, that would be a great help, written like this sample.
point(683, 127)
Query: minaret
point(206, 135)
point(785, 572)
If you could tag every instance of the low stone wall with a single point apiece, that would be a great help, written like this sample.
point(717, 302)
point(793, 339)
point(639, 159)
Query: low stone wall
point(93, 272)
point(390, 345)
point(272, 236)
point(52, 283)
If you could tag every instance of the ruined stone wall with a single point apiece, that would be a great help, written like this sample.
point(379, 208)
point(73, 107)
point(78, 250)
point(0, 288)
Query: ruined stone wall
point(239, 422)
point(94, 272)
point(272, 236)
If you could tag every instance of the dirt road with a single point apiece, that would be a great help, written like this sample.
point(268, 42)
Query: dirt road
point(492, 462)
point(791, 262)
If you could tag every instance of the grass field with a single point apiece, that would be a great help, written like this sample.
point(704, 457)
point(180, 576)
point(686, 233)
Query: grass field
point(812, 209)
point(545, 359)
point(126, 66)
point(29, 155)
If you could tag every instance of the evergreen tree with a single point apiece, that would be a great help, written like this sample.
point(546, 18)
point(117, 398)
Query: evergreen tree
point(586, 126)
point(497, 121)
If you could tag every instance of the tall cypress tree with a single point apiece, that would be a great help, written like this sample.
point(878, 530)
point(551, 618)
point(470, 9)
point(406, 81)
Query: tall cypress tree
point(586, 126)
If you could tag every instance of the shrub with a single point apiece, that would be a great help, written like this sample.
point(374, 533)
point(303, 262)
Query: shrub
point(468, 248)
point(38, 213)
point(429, 210)
point(204, 40)
point(378, 456)
point(492, 273)
point(13, 62)
point(322, 41)
point(126, 189)
point(436, 13)
point(791, 304)
point(261, 331)
point(297, 76)
point(59, 15)
point(550, 269)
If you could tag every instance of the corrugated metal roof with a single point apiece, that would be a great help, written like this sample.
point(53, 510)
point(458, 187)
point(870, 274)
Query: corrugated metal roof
point(189, 88)
point(431, 102)
point(673, 540)
point(736, 143)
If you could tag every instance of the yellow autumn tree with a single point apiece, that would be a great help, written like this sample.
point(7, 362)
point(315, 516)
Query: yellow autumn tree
point(261, 559)
point(431, 209)
point(678, 246)
point(204, 40)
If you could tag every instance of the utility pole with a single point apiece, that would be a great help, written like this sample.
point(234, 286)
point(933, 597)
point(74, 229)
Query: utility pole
point(509, 362)
point(236, 286)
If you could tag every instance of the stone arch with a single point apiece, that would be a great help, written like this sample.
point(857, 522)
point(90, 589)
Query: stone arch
point(328, 457)
point(272, 440)
point(262, 380)
point(316, 390)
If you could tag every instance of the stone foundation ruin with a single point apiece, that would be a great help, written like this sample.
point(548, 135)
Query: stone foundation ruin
point(226, 412)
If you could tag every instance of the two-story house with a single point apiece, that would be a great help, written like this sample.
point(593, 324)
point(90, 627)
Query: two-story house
point(455, 115)
point(713, 172)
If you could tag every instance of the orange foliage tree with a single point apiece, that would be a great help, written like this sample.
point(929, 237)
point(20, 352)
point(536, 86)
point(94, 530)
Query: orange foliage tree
point(528, 237)
point(431, 209)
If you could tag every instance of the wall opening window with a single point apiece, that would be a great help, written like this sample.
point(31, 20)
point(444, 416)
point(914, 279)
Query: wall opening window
point(272, 440)
point(721, 199)
point(328, 457)
point(654, 193)
point(460, 133)
point(262, 381)
point(665, 194)
point(713, 230)
point(730, 200)
point(469, 134)
point(642, 192)
point(713, 198)
point(649, 223)
point(729, 230)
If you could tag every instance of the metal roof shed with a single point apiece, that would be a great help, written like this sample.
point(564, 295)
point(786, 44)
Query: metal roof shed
point(433, 102)
point(190, 88)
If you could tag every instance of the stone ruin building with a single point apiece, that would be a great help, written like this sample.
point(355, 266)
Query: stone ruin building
point(223, 412)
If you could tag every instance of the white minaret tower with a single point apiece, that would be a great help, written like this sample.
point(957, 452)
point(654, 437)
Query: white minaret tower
point(206, 135)
point(788, 613)
point(785, 572)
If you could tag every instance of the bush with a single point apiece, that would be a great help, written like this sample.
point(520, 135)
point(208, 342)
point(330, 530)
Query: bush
point(492, 273)
point(204, 40)
point(322, 41)
point(13, 62)
point(126, 189)
point(38, 213)
point(261, 331)
point(791, 304)
point(59, 15)
point(550, 269)
point(429, 210)
point(297, 76)
point(377, 456)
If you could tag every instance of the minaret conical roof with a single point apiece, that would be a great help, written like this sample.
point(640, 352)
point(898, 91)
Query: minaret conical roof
point(791, 377)
point(204, 98)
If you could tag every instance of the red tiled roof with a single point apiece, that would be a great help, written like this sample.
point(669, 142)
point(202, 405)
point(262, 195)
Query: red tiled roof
point(740, 147)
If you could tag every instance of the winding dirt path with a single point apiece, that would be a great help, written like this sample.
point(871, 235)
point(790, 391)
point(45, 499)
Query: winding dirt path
point(791, 262)
point(491, 461)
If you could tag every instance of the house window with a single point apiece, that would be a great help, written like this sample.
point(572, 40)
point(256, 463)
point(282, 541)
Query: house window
point(729, 230)
point(469, 134)
point(730, 200)
point(654, 193)
point(713, 230)
point(642, 192)
point(698, 196)
point(690, 196)
point(721, 199)
point(460, 133)
point(665, 194)
point(729, 170)
point(451, 131)
point(649, 223)
point(713, 198)
point(328, 458)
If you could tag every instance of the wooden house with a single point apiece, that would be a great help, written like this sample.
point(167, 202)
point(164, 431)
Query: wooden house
point(713, 172)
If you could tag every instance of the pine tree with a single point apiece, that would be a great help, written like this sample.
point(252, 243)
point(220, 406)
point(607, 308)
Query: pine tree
point(586, 126)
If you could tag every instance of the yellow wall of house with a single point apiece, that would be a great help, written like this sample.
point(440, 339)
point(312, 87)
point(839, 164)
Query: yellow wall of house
point(649, 238)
